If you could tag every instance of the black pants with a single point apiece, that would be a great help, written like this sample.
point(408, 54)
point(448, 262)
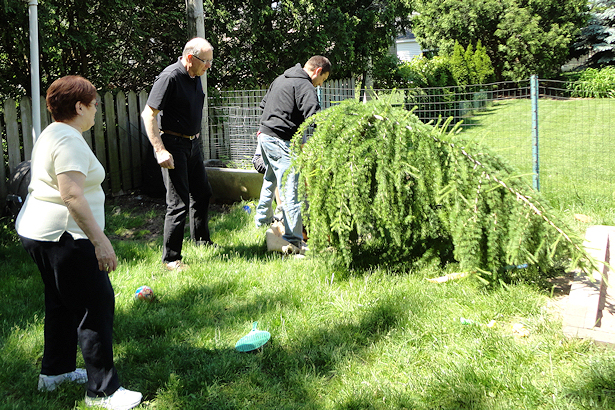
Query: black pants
point(188, 194)
point(79, 305)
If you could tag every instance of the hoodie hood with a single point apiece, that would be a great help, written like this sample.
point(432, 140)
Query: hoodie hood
point(297, 72)
point(291, 99)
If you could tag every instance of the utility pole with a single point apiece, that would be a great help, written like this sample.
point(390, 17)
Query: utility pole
point(196, 28)
point(34, 70)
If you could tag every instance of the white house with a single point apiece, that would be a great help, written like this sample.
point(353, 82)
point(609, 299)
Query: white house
point(407, 47)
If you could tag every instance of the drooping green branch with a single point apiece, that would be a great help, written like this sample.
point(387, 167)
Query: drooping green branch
point(384, 188)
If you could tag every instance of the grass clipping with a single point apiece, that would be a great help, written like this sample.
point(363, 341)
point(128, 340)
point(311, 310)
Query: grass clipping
point(385, 189)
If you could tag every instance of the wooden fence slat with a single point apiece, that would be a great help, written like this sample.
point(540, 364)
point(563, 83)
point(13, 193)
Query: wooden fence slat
point(113, 162)
point(12, 133)
point(45, 114)
point(146, 146)
point(123, 140)
point(3, 176)
point(87, 136)
point(120, 142)
point(27, 132)
point(99, 143)
point(135, 139)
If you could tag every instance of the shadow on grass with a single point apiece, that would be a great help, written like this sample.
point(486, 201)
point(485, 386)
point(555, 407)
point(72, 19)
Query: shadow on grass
point(21, 287)
point(597, 390)
point(158, 353)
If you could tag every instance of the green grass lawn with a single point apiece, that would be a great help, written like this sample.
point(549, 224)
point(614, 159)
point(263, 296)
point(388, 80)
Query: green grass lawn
point(340, 340)
point(576, 146)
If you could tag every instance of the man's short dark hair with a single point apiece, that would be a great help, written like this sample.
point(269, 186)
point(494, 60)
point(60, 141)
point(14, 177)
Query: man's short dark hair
point(319, 61)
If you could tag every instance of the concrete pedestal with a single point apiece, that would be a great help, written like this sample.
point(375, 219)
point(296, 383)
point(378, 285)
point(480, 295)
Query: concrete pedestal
point(590, 310)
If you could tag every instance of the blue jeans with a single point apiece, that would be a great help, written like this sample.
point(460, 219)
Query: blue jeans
point(264, 210)
point(277, 159)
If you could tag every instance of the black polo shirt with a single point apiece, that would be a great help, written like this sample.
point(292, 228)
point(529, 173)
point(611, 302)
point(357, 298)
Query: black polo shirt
point(180, 98)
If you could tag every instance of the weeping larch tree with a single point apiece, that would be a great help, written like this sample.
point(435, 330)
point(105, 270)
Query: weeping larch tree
point(385, 189)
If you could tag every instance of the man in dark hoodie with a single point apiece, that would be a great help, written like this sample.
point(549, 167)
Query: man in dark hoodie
point(291, 99)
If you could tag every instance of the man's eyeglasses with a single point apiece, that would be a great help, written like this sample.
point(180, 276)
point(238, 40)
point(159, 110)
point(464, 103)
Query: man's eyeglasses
point(210, 62)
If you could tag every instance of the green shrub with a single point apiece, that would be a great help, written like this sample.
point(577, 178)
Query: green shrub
point(389, 72)
point(471, 66)
point(463, 67)
point(425, 72)
point(385, 188)
point(595, 83)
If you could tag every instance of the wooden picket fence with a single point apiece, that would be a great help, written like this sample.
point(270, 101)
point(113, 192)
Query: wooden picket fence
point(118, 138)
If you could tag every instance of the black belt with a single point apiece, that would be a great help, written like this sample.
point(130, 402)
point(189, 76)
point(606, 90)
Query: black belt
point(177, 134)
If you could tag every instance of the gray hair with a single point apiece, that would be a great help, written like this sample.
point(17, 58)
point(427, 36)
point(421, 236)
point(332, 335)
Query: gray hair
point(196, 46)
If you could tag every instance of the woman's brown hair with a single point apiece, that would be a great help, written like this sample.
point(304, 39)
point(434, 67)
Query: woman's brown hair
point(65, 92)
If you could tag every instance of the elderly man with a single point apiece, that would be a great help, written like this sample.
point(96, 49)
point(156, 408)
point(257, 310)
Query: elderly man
point(291, 99)
point(177, 94)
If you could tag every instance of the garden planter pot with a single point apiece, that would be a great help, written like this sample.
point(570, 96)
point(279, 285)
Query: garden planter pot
point(232, 184)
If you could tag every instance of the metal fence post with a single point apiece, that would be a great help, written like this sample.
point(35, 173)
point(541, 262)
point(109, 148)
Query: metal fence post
point(534, 97)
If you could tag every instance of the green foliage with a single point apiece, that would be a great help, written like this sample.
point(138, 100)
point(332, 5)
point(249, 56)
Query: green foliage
point(520, 37)
point(115, 44)
point(258, 40)
point(463, 67)
point(471, 66)
point(390, 72)
point(597, 39)
point(384, 188)
point(423, 72)
point(125, 44)
point(595, 83)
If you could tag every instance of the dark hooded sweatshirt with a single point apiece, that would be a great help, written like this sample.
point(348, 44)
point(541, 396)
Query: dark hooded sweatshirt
point(291, 99)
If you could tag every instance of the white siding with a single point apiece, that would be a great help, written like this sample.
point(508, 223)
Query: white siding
point(407, 48)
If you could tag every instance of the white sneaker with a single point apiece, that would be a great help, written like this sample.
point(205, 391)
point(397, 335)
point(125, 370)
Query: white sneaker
point(49, 383)
point(177, 265)
point(122, 399)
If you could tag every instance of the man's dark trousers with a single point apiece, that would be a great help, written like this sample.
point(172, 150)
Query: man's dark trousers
point(188, 194)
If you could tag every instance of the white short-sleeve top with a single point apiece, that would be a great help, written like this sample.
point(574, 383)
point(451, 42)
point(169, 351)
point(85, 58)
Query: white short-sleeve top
point(44, 215)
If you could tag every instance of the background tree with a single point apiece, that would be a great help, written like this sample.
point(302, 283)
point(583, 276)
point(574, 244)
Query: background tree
point(597, 39)
point(471, 66)
point(125, 44)
point(257, 40)
point(521, 37)
point(113, 43)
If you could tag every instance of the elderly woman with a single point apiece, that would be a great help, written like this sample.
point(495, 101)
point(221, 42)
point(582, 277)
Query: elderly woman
point(61, 227)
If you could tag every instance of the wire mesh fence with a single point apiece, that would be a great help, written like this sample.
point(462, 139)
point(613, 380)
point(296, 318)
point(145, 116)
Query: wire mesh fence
point(234, 118)
point(576, 136)
point(576, 144)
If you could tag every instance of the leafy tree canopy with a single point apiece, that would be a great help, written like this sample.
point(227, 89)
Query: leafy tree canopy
point(115, 44)
point(522, 37)
point(125, 44)
point(257, 40)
